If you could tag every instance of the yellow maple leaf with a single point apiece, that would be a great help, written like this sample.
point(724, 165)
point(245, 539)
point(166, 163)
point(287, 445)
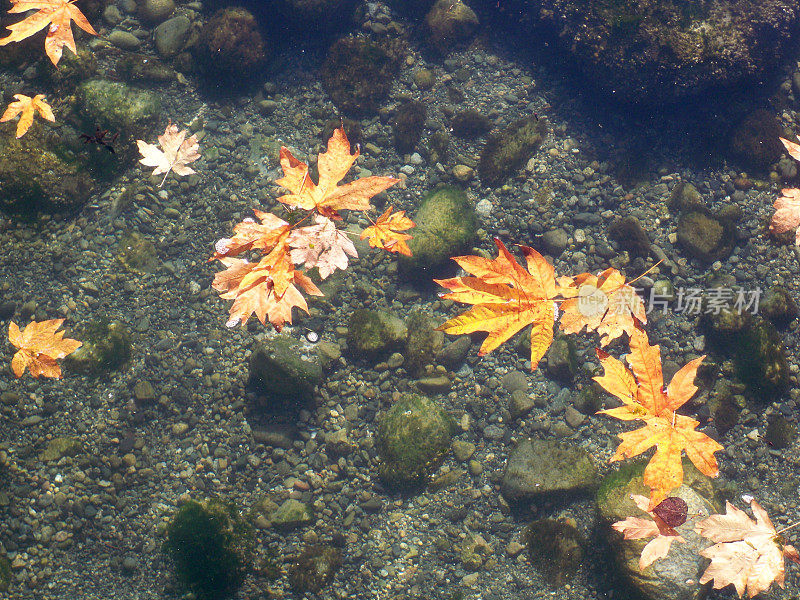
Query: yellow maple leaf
point(506, 298)
point(386, 232)
point(327, 196)
point(39, 346)
point(644, 398)
point(56, 16)
point(25, 106)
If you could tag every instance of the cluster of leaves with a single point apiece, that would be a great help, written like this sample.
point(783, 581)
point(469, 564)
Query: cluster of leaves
point(271, 287)
point(506, 297)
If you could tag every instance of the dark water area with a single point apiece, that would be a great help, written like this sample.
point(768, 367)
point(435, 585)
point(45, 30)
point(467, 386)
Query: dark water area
point(239, 362)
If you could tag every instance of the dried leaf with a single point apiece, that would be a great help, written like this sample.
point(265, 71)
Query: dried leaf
point(638, 528)
point(672, 511)
point(605, 304)
point(321, 246)
point(40, 345)
point(506, 298)
point(385, 233)
point(56, 16)
point(644, 398)
point(249, 235)
point(747, 554)
point(178, 151)
point(787, 213)
point(327, 197)
point(25, 106)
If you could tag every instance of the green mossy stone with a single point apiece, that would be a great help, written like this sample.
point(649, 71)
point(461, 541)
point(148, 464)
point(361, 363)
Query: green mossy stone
point(373, 332)
point(60, 447)
point(446, 226)
point(72, 69)
point(755, 142)
point(413, 437)
point(314, 568)
point(423, 342)
point(407, 124)
point(39, 172)
point(231, 47)
point(118, 107)
point(546, 467)
point(291, 514)
point(137, 253)
point(106, 346)
point(507, 151)
point(285, 370)
point(778, 306)
point(562, 358)
point(705, 236)
point(212, 548)
point(450, 23)
point(761, 360)
point(781, 432)
point(555, 547)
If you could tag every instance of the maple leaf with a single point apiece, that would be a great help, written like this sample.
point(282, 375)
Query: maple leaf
point(40, 345)
point(248, 235)
point(56, 16)
point(787, 213)
point(386, 232)
point(25, 106)
point(638, 528)
point(644, 398)
point(603, 303)
point(506, 298)
point(178, 151)
point(327, 197)
point(747, 553)
point(322, 246)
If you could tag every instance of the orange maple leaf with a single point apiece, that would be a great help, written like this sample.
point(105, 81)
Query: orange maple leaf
point(39, 346)
point(644, 397)
point(327, 197)
point(603, 303)
point(251, 235)
point(507, 297)
point(56, 16)
point(747, 554)
point(386, 232)
point(176, 152)
point(25, 106)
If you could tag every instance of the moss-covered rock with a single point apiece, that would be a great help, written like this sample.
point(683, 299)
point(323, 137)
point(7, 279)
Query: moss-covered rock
point(408, 123)
point(562, 358)
point(781, 432)
point(134, 67)
point(545, 467)
point(373, 332)
point(423, 342)
point(314, 568)
point(59, 447)
point(630, 235)
point(292, 513)
point(231, 48)
point(137, 254)
point(285, 371)
point(505, 152)
point(437, 146)
point(40, 173)
point(118, 107)
point(358, 74)
point(761, 360)
point(706, 236)
point(450, 23)
point(754, 140)
point(446, 226)
point(778, 306)
point(474, 551)
point(412, 440)
point(673, 576)
point(555, 547)
point(212, 548)
point(106, 346)
point(470, 124)
point(72, 69)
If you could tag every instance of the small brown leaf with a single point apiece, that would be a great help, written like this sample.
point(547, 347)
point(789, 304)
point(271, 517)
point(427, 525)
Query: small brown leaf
point(672, 511)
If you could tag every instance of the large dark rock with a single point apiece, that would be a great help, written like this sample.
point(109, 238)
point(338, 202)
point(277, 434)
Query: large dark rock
point(663, 50)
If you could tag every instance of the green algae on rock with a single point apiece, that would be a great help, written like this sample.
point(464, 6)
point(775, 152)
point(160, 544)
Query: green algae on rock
point(59, 447)
point(40, 173)
point(450, 23)
point(446, 226)
point(106, 346)
point(212, 548)
point(231, 48)
point(292, 513)
point(358, 74)
point(507, 151)
point(314, 568)
point(285, 371)
point(137, 254)
point(706, 236)
point(412, 439)
point(118, 107)
point(407, 124)
point(372, 333)
point(556, 547)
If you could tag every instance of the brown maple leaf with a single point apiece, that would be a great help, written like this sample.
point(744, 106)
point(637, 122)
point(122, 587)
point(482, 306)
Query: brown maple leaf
point(747, 554)
point(787, 213)
point(263, 235)
point(386, 232)
point(177, 151)
point(644, 398)
point(506, 298)
point(25, 106)
point(40, 345)
point(322, 246)
point(56, 16)
point(603, 303)
point(327, 197)
point(638, 528)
